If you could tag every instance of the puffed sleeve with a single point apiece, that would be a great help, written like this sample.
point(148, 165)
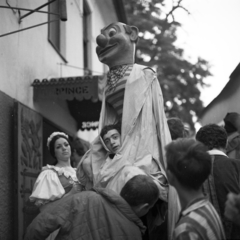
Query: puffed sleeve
point(47, 188)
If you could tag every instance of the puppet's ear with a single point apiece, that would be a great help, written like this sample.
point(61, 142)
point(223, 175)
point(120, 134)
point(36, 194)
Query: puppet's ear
point(134, 34)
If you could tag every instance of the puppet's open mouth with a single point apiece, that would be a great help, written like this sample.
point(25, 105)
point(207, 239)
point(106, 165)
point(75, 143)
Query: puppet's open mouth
point(106, 49)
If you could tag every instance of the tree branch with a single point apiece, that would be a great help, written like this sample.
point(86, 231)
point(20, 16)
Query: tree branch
point(175, 8)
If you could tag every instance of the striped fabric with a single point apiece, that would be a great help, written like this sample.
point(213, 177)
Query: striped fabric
point(199, 221)
point(116, 96)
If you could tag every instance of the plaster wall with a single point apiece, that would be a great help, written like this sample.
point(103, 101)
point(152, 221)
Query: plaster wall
point(28, 55)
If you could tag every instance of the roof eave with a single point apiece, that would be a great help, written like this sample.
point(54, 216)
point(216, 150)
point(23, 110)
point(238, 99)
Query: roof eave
point(234, 75)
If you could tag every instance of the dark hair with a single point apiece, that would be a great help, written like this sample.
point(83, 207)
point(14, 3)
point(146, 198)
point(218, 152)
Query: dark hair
point(139, 190)
point(78, 146)
point(189, 161)
point(176, 128)
point(107, 128)
point(231, 122)
point(52, 143)
point(213, 136)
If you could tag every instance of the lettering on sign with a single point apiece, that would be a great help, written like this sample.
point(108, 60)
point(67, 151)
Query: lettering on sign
point(86, 125)
point(71, 90)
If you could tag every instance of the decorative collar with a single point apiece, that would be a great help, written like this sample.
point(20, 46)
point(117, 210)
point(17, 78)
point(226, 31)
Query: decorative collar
point(217, 152)
point(61, 171)
point(114, 75)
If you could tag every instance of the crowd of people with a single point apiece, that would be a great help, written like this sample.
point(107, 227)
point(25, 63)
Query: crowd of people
point(204, 176)
point(144, 176)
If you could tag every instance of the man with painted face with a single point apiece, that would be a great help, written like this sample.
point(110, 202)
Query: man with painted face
point(133, 98)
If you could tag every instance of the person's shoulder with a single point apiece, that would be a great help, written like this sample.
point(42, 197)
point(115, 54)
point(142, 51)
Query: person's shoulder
point(105, 192)
point(90, 197)
point(234, 135)
point(221, 158)
point(149, 69)
point(47, 176)
point(109, 195)
point(48, 170)
point(148, 72)
point(201, 220)
point(235, 162)
point(188, 235)
point(227, 161)
point(144, 68)
point(48, 167)
point(186, 230)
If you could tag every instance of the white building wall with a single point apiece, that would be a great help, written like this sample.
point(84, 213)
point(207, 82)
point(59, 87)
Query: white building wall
point(28, 55)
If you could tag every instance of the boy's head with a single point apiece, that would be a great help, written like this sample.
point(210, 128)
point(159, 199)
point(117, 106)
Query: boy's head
point(232, 122)
point(176, 128)
point(212, 136)
point(188, 163)
point(111, 137)
point(77, 151)
point(141, 193)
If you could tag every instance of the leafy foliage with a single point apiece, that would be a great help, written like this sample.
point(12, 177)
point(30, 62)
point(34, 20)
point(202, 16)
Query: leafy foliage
point(179, 79)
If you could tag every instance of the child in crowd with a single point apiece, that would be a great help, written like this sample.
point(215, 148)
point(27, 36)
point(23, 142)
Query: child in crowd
point(188, 166)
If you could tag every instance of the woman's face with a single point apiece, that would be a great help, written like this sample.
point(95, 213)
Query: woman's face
point(62, 149)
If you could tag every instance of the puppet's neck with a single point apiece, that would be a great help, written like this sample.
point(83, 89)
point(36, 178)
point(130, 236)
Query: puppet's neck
point(118, 66)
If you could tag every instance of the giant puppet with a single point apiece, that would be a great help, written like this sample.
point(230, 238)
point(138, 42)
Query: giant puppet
point(133, 97)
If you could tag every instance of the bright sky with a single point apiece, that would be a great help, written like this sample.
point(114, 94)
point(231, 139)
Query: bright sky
point(212, 32)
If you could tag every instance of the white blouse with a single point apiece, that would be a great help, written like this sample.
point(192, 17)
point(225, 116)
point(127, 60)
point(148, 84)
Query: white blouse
point(48, 186)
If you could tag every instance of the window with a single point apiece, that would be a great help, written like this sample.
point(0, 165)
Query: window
point(86, 38)
point(56, 30)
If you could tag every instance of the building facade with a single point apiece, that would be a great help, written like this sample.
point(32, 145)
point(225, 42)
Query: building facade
point(227, 101)
point(50, 47)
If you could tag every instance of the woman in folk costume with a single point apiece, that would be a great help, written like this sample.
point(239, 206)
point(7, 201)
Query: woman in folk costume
point(133, 97)
point(56, 181)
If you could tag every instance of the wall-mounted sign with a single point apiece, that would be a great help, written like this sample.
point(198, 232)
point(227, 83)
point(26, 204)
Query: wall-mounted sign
point(66, 88)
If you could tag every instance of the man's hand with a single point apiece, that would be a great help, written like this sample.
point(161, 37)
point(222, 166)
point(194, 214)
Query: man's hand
point(232, 208)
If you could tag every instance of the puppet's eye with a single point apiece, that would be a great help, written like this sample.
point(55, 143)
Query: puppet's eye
point(112, 32)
